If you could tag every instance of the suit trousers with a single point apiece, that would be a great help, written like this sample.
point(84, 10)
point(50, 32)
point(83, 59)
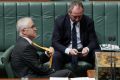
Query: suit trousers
point(60, 59)
point(59, 73)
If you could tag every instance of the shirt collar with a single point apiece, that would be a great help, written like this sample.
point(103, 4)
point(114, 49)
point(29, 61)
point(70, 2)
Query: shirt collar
point(71, 21)
point(78, 23)
point(30, 41)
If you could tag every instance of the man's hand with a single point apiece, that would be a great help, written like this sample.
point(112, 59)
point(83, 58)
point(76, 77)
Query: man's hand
point(51, 51)
point(85, 51)
point(73, 52)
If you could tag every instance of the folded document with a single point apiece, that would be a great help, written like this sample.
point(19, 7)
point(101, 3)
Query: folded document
point(109, 47)
point(59, 78)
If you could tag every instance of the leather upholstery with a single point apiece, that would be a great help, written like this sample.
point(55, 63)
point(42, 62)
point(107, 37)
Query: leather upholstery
point(105, 14)
point(6, 62)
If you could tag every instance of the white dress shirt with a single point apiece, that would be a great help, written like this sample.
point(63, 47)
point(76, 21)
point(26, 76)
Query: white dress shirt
point(79, 45)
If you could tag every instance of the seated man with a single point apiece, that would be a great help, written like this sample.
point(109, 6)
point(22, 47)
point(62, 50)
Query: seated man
point(74, 38)
point(25, 61)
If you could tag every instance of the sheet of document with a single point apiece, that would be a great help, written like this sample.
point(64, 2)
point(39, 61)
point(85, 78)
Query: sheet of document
point(59, 78)
point(82, 78)
point(66, 78)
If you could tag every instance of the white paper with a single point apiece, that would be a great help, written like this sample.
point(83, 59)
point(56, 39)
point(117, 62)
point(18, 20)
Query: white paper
point(82, 78)
point(109, 47)
point(59, 78)
point(91, 78)
point(66, 78)
point(24, 78)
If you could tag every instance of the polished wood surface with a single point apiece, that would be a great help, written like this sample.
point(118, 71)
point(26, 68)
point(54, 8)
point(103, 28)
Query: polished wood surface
point(91, 73)
point(24, 79)
point(23, 0)
point(103, 59)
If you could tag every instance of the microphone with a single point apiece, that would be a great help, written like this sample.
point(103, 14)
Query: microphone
point(113, 38)
point(109, 38)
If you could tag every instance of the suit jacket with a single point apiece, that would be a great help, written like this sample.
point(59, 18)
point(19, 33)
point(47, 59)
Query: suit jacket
point(62, 33)
point(25, 60)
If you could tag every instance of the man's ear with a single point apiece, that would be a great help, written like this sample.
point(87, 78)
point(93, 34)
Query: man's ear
point(23, 31)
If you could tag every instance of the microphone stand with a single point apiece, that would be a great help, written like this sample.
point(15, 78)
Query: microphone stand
point(111, 70)
point(114, 61)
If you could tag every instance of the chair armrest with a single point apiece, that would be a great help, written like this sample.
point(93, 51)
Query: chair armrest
point(6, 55)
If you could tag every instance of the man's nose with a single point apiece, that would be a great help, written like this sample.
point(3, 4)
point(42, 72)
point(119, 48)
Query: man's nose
point(77, 19)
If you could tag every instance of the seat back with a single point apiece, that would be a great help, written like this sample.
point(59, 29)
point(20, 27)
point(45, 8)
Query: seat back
point(6, 62)
point(105, 15)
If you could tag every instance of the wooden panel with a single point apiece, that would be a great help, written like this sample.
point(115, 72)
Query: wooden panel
point(104, 0)
point(24, 79)
point(26, 0)
point(107, 65)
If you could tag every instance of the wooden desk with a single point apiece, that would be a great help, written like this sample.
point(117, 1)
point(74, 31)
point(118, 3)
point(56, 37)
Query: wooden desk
point(24, 0)
point(25, 79)
point(91, 73)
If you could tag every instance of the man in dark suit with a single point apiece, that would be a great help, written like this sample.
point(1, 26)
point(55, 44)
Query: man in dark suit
point(74, 38)
point(24, 59)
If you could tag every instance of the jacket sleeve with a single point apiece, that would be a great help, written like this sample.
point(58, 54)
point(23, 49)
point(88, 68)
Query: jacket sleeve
point(31, 59)
point(93, 41)
point(58, 35)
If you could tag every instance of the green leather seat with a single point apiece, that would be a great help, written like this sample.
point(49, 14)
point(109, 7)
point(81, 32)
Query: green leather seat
point(6, 62)
point(1, 65)
point(81, 70)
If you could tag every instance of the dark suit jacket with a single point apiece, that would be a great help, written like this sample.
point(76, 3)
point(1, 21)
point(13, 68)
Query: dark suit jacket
point(25, 60)
point(62, 33)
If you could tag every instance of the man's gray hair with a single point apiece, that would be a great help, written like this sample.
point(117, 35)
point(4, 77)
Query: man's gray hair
point(75, 3)
point(23, 23)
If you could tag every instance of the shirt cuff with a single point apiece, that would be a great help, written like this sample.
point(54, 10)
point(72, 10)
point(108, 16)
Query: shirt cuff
point(67, 50)
point(47, 53)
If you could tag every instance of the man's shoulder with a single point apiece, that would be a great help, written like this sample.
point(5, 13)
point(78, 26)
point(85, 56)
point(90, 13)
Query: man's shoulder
point(21, 42)
point(86, 17)
point(61, 17)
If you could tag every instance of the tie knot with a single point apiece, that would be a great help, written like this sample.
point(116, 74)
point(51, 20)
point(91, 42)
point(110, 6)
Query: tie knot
point(74, 23)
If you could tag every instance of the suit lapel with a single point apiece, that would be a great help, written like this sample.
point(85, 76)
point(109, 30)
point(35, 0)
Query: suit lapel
point(68, 26)
point(81, 29)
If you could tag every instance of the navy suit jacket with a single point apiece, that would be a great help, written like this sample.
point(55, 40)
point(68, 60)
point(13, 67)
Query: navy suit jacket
point(62, 33)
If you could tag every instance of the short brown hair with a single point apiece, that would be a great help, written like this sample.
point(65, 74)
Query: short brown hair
point(74, 3)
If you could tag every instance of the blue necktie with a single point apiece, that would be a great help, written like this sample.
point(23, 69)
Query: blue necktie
point(74, 45)
point(74, 36)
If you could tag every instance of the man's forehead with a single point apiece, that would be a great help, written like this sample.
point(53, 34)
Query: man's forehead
point(30, 23)
point(77, 9)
